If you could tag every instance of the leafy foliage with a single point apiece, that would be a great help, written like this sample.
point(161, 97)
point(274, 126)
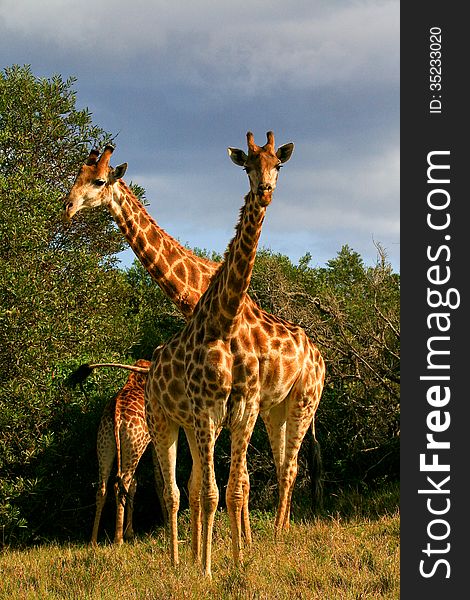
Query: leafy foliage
point(62, 297)
point(156, 317)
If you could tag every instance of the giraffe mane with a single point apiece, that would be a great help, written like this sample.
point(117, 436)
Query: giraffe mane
point(237, 228)
point(174, 241)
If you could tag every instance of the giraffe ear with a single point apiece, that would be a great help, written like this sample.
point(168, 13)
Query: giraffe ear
point(237, 156)
point(120, 171)
point(285, 152)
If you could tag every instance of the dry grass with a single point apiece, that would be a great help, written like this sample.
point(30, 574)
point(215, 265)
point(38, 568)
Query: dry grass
point(327, 558)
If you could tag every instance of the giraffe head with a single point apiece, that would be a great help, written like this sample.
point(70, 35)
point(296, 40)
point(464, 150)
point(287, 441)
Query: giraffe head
point(94, 182)
point(262, 164)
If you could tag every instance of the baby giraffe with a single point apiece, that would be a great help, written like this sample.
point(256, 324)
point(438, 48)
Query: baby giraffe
point(208, 376)
point(122, 434)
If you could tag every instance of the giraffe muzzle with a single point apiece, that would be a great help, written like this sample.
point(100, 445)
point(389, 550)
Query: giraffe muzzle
point(265, 191)
point(265, 188)
point(68, 210)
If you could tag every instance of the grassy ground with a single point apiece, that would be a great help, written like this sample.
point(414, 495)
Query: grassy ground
point(329, 558)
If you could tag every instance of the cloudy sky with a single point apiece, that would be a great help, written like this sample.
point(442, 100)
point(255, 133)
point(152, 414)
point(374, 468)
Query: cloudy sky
point(180, 81)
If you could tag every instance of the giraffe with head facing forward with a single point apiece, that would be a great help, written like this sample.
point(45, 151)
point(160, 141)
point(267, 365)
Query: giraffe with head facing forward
point(183, 277)
point(225, 367)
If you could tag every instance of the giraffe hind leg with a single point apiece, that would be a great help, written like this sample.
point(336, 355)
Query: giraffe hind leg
point(301, 405)
point(129, 528)
point(106, 452)
point(120, 491)
point(316, 471)
point(275, 421)
point(246, 527)
point(100, 501)
point(124, 488)
point(205, 435)
point(194, 489)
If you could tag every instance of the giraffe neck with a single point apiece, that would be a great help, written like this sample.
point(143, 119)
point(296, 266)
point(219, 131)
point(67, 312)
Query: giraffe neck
point(230, 286)
point(182, 275)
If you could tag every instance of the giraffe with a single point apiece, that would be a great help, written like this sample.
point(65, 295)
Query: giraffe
point(181, 274)
point(123, 434)
point(183, 277)
point(221, 371)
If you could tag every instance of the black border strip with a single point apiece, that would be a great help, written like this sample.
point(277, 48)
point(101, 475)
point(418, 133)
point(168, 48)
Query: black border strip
point(434, 232)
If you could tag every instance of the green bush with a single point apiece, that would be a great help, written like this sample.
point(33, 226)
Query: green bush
point(62, 298)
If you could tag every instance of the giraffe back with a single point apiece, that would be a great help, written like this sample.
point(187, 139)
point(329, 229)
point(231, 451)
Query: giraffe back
point(129, 408)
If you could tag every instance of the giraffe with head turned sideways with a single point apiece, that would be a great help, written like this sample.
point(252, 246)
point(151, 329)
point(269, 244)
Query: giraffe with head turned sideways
point(181, 274)
point(183, 277)
point(224, 368)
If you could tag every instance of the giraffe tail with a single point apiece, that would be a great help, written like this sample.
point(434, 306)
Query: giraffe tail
point(316, 471)
point(122, 494)
point(119, 486)
point(121, 490)
point(78, 376)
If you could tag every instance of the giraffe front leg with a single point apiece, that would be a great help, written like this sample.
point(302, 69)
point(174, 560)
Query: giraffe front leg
point(238, 485)
point(166, 446)
point(194, 488)
point(205, 440)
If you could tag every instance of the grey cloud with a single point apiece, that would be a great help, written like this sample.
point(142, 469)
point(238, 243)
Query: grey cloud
point(181, 81)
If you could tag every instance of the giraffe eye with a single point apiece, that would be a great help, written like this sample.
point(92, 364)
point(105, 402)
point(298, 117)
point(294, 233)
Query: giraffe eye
point(99, 182)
